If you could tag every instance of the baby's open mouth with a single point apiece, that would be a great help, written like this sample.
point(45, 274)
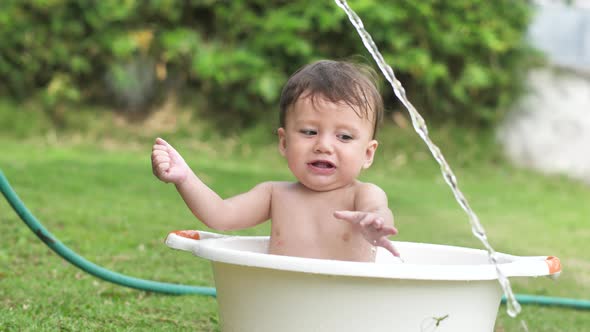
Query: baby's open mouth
point(322, 164)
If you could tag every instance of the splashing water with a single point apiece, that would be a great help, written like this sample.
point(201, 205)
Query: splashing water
point(513, 307)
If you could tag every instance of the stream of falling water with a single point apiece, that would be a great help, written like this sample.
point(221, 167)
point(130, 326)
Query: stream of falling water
point(513, 307)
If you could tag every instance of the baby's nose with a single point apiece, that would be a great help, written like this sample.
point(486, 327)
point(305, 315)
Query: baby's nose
point(323, 145)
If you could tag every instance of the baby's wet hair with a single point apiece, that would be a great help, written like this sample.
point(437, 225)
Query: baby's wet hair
point(337, 81)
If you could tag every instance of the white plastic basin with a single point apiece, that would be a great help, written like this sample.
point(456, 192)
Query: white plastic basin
point(437, 288)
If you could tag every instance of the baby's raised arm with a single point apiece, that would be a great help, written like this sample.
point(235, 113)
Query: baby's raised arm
point(373, 215)
point(241, 211)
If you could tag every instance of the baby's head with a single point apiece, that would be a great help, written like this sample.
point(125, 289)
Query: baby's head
point(335, 81)
point(330, 111)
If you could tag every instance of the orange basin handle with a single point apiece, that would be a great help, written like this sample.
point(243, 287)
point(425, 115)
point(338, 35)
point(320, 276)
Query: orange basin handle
point(191, 234)
point(554, 264)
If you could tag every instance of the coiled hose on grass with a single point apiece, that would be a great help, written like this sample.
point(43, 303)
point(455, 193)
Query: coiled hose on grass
point(176, 289)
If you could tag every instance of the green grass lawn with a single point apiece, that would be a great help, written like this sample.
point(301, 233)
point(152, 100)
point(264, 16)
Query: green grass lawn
point(104, 203)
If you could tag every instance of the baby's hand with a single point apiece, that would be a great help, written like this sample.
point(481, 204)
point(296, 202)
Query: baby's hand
point(167, 164)
point(372, 227)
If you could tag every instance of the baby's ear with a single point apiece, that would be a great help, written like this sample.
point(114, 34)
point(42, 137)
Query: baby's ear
point(370, 153)
point(282, 141)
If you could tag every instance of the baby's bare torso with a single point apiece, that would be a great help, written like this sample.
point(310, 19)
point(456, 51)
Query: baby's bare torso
point(303, 224)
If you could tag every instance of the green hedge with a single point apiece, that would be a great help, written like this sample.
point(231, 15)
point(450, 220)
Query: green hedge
point(460, 60)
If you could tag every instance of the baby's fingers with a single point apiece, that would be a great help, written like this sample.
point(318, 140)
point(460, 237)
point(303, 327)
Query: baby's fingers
point(385, 243)
point(160, 144)
point(159, 155)
point(388, 230)
point(165, 145)
point(372, 221)
point(352, 216)
point(160, 158)
point(162, 168)
point(160, 148)
point(161, 141)
point(160, 163)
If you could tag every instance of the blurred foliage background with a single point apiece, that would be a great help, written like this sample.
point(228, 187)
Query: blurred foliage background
point(461, 61)
point(86, 85)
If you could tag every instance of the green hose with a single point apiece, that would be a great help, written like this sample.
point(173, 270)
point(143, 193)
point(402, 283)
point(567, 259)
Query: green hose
point(85, 265)
point(176, 289)
point(552, 301)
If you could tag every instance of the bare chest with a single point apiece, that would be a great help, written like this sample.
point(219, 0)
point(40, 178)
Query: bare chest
point(303, 225)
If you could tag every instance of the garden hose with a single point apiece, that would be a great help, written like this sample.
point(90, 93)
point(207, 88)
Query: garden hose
point(176, 289)
point(85, 265)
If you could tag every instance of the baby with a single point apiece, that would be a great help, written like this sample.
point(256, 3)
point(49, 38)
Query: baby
point(329, 113)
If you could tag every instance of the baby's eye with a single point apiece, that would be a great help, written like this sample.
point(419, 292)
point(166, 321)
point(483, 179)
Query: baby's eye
point(308, 132)
point(345, 137)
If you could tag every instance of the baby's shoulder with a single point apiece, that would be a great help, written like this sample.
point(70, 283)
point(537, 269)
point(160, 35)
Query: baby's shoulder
point(363, 188)
point(281, 186)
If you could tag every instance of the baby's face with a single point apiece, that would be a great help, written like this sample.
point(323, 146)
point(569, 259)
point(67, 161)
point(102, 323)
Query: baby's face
point(326, 144)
